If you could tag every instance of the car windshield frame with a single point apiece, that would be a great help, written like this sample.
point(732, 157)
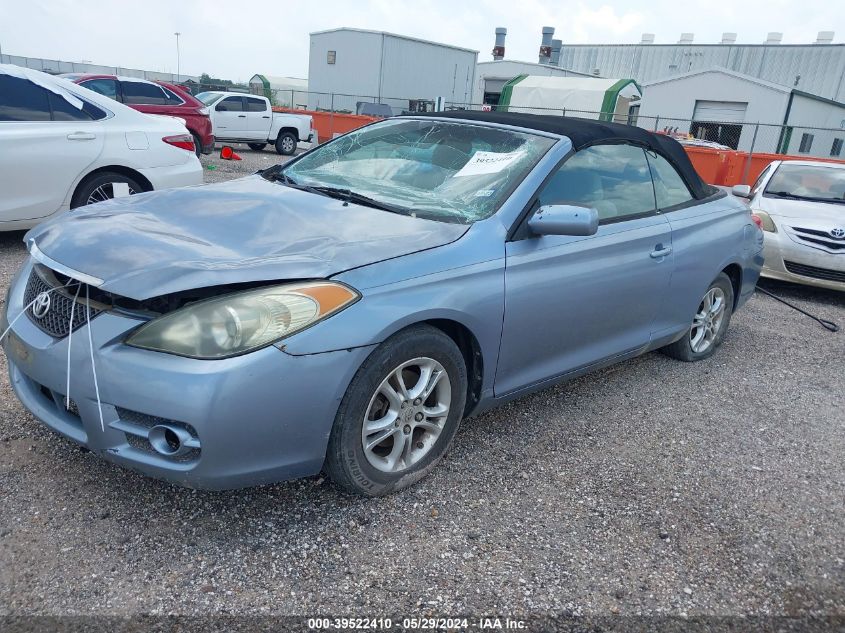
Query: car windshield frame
point(777, 188)
point(520, 150)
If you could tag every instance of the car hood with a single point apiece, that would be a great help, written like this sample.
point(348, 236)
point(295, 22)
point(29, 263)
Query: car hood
point(827, 213)
point(243, 230)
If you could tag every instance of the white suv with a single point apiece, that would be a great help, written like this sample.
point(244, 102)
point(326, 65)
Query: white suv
point(64, 146)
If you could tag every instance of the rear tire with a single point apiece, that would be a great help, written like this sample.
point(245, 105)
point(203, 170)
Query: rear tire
point(98, 187)
point(197, 145)
point(257, 146)
point(709, 323)
point(286, 144)
point(409, 426)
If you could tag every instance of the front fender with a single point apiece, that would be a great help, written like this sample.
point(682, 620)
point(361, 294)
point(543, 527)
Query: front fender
point(472, 296)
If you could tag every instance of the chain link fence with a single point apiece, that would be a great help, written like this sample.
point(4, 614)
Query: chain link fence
point(750, 138)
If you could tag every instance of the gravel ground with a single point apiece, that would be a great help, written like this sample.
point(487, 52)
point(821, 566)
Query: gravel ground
point(216, 169)
point(654, 487)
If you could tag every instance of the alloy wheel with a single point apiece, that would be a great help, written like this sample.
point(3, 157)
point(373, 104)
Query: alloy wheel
point(406, 415)
point(707, 320)
point(105, 192)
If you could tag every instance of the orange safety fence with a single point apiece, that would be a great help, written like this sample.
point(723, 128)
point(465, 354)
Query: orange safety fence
point(331, 124)
point(730, 167)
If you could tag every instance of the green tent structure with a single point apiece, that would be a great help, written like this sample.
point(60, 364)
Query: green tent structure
point(585, 97)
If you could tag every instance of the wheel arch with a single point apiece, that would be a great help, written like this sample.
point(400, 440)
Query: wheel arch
point(118, 169)
point(471, 351)
point(290, 129)
point(734, 273)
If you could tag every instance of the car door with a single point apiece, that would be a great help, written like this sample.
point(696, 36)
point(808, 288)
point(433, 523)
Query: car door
point(46, 143)
point(230, 118)
point(572, 302)
point(258, 119)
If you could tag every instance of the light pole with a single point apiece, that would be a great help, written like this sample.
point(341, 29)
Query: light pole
point(178, 73)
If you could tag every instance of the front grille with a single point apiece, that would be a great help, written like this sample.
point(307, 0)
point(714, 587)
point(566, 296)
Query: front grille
point(822, 238)
point(814, 272)
point(56, 321)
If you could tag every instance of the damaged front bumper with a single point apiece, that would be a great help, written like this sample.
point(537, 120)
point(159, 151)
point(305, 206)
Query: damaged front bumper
point(258, 418)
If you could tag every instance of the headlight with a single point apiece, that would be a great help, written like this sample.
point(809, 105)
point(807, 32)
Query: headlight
point(204, 111)
point(764, 221)
point(241, 322)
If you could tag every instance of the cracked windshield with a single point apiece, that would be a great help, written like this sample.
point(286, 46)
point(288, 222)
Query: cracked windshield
point(452, 172)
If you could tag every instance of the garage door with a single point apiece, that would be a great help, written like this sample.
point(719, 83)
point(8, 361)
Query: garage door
point(721, 111)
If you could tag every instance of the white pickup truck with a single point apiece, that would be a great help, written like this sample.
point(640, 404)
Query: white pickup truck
point(242, 118)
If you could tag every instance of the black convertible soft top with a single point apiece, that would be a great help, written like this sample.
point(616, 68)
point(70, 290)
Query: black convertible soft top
point(585, 132)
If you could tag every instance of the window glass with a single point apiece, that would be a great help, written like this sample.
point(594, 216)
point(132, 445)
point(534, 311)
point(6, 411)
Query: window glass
point(140, 93)
point(669, 188)
point(230, 104)
point(22, 100)
point(171, 97)
point(613, 179)
point(760, 179)
point(807, 182)
point(836, 149)
point(105, 87)
point(208, 97)
point(65, 111)
point(255, 105)
point(806, 143)
point(454, 172)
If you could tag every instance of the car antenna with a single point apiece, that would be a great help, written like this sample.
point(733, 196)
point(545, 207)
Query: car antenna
point(828, 325)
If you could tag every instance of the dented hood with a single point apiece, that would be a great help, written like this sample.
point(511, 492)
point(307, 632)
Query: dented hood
point(243, 230)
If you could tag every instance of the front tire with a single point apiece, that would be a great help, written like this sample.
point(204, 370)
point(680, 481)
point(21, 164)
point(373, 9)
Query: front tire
point(99, 187)
point(286, 144)
point(709, 323)
point(399, 414)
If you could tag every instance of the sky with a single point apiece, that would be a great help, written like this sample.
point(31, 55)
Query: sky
point(236, 39)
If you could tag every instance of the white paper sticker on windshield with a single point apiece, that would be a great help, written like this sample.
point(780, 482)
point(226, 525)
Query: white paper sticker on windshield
point(488, 163)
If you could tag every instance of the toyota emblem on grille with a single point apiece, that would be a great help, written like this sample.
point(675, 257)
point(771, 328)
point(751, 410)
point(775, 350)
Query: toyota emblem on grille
point(837, 233)
point(41, 305)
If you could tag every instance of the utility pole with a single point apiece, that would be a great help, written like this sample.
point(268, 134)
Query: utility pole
point(178, 73)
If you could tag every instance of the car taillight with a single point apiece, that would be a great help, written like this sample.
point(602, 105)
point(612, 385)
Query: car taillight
point(756, 219)
point(184, 141)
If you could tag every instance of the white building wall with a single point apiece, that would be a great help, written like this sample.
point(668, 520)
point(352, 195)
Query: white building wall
point(817, 68)
point(385, 68)
point(356, 70)
point(673, 101)
point(811, 113)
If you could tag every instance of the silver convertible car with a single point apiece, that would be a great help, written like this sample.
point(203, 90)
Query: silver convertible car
point(346, 310)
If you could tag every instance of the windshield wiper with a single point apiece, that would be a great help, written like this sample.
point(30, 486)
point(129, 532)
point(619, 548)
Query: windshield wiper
point(793, 196)
point(784, 194)
point(347, 195)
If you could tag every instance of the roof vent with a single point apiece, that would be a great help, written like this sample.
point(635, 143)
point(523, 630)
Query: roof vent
point(825, 37)
point(774, 38)
point(499, 48)
point(728, 38)
point(648, 38)
point(686, 38)
point(556, 46)
point(546, 44)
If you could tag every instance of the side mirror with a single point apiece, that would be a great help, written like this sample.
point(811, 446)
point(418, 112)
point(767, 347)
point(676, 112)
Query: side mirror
point(564, 219)
point(743, 191)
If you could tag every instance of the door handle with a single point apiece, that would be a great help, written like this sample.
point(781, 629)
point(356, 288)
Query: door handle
point(241, 116)
point(265, 117)
point(660, 251)
point(81, 136)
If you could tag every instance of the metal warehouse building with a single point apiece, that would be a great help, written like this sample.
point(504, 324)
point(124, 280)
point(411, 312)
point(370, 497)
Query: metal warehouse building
point(357, 65)
point(816, 68)
point(725, 107)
